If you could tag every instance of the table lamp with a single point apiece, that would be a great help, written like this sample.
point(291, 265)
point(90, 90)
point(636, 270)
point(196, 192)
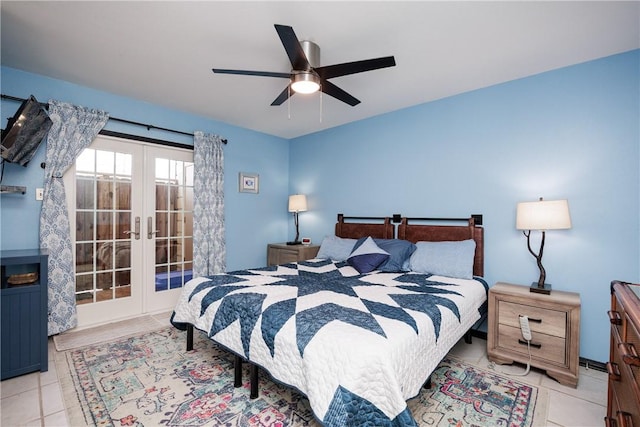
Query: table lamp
point(297, 203)
point(542, 215)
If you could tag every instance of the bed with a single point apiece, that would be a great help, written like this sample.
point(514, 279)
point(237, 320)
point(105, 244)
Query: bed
point(356, 335)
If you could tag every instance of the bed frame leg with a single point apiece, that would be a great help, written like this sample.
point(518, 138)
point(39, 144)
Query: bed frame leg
point(467, 337)
point(189, 337)
point(428, 383)
point(237, 371)
point(254, 380)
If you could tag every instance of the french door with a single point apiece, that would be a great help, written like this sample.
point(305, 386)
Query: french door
point(131, 210)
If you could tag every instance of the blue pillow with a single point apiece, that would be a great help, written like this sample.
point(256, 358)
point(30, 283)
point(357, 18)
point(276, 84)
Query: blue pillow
point(367, 257)
point(451, 259)
point(399, 253)
point(336, 248)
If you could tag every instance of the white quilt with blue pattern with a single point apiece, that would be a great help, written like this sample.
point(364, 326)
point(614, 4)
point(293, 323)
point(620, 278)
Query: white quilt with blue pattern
point(357, 345)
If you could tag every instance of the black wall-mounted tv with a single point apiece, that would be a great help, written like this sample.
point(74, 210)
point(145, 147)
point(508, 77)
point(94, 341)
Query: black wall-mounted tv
point(25, 131)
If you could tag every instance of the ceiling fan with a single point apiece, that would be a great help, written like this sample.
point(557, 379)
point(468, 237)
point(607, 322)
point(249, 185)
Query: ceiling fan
point(306, 75)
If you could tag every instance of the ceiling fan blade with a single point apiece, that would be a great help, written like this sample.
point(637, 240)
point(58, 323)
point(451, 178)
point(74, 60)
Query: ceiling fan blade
point(284, 95)
point(291, 44)
point(346, 68)
point(339, 94)
point(252, 73)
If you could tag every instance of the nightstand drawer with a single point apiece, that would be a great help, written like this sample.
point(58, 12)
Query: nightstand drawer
point(551, 348)
point(284, 256)
point(281, 253)
point(546, 321)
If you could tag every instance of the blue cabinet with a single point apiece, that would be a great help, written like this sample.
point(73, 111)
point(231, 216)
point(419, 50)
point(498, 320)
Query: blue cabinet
point(23, 296)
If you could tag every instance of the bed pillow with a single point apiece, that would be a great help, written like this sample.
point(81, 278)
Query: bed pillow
point(399, 253)
point(367, 257)
point(451, 259)
point(336, 248)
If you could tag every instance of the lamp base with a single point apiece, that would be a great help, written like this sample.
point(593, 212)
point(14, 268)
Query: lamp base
point(296, 242)
point(546, 289)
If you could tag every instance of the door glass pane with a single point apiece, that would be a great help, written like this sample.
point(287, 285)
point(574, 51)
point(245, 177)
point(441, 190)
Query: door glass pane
point(174, 223)
point(105, 162)
point(103, 214)
point(162, 224)
point(84, 194)
point(123, 194)
point(84, 225)
point(104, 229)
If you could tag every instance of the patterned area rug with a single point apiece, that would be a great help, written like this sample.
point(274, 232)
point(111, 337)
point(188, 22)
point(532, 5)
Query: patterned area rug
point(150, 380)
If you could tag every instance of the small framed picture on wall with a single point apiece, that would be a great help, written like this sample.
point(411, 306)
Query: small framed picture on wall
point(249, 182)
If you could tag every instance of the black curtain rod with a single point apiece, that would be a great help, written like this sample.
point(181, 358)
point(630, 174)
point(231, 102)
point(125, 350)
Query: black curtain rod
point(131, 122)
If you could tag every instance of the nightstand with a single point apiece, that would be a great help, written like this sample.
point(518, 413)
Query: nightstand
point(554, 321)
point(281, 253)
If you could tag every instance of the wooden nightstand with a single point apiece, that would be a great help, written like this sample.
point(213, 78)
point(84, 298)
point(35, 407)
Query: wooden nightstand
point(281, 253)
point(554, 321)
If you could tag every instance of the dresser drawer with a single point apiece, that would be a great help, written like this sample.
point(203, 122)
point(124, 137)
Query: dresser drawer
point(547, 321)
point(625, 388)
point(632, 339)
point(551, 348)
point(623, 406)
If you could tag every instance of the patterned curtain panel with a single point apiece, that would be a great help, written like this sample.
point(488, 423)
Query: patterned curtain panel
point(74, 128)
point(209, 248)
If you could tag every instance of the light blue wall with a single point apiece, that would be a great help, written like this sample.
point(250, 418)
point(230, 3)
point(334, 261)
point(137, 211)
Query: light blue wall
point(252, 220)
point(571, 133)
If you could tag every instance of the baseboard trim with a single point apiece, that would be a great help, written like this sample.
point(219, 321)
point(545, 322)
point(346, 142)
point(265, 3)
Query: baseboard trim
point(593, 364)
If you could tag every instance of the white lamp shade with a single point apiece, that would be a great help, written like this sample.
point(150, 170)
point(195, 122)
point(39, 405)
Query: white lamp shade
point(297, 203)
point(543, 215)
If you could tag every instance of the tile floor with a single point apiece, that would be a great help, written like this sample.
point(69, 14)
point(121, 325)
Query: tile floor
point(36, 399)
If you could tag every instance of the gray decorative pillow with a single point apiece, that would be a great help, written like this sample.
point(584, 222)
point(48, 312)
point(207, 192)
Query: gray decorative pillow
point(451, 259)
point(335, 248)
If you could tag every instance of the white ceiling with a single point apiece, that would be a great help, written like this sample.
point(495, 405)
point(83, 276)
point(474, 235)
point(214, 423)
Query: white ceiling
point(162, 52)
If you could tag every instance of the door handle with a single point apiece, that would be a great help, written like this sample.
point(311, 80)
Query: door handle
point(136, 230)
point(150, 227)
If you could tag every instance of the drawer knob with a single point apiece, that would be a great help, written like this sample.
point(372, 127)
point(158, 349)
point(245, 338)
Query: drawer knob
point(629, 355)
point(614, 371)
point(614, 318)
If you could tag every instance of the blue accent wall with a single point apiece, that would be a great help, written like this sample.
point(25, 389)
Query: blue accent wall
point(570, 133)
point(252, 220)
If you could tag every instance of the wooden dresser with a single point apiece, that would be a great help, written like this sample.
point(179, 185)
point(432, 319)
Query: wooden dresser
point(281, 253)
point(623, 399)
point(554, 320)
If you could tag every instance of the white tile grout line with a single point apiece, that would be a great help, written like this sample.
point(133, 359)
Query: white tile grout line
point(40, 402)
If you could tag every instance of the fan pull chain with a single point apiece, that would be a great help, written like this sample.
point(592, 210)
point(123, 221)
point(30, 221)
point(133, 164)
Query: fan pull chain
point(289, 102)
point(321, 104)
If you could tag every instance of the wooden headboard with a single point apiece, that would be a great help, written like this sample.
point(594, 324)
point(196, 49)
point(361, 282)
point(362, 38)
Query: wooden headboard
point(439, 233)
point(415, 230)
point(376, 227)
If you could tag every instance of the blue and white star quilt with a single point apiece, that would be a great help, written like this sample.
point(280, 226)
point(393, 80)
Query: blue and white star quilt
point(357, 345)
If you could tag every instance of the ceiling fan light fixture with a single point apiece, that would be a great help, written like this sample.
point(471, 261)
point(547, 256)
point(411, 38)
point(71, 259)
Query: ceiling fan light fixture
point(305, 83)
